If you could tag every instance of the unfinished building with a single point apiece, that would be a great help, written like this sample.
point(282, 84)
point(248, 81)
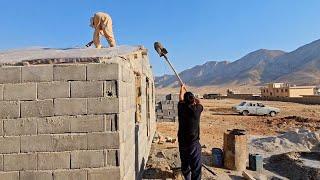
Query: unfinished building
point(75, 114)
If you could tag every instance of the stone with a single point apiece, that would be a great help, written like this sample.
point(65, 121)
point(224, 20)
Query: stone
point(108, 140)
point(70, 175)
point(37, 73)
point(113, 157)
point(103, 173)
point(10, 75)
point(40, 108)
point(72, 106)
point(89, 123)
point(36, 175)
point(53, 160)
point(20, 162)
point(111, 122)
point(36, 143)
point(110, 89)
point(10, 145)
point(87, 159)
point(23, 91)
point(103, 105)
point(14, 175)
point(21, 126)
point(86, 89)
point(9, 109)
point(74, 72)
point(102, 72)
point(51, 90)
point(69, 142)
point(54, 125)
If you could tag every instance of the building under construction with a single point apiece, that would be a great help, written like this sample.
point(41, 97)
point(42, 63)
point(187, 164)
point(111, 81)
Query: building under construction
point(75, 113)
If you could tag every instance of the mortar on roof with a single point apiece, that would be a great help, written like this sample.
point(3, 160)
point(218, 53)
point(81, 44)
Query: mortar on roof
point(70, 55)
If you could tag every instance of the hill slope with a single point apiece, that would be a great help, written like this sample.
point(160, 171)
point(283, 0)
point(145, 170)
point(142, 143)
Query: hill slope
point(301, 66)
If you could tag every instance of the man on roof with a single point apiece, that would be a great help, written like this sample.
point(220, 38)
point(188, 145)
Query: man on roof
point(102, 24)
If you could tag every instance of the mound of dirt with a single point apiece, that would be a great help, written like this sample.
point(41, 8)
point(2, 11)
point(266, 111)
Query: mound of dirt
point(296, 140)
point(296, 165)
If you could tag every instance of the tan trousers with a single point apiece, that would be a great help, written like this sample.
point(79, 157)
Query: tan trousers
point(102, 24)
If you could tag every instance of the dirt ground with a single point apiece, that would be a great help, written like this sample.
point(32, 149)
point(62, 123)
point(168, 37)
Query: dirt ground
point(219, 117)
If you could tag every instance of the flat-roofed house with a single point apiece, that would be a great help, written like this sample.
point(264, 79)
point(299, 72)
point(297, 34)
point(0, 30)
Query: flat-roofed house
point(286, 90)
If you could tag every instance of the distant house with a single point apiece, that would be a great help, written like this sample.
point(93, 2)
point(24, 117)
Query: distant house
point(286, 90)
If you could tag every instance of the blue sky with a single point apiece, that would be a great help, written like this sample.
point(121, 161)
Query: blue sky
point(192, 31)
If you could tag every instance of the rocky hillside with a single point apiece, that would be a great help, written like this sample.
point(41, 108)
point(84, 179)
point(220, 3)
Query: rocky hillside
point(301, 67)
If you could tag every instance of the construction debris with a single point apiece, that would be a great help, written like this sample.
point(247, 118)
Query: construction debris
point(167, 109)
point(295, 140)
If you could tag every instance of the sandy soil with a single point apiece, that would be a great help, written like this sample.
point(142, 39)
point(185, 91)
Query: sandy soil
point(219, 117)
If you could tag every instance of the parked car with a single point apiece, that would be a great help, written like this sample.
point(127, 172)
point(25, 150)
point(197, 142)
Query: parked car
point(255, 108)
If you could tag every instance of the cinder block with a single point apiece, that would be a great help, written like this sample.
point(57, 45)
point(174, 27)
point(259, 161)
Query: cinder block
point(85, 89)
point(38, 73)
point(127, 75)
point(21, 126)
point(74, 72)
point(1, 163)
point(70, 175)
point(89, 123)
point(9, 144)
point(108, 140)
point(24, 91)
point(111, 122)
point(9, 109)
point(51, 90)
point(103, 173)
point(1, 127)
point(36, 175)
point(9, 175)
point(113, 157)
point(54, 125)
point(72, 106)
point(37, 143)
point(41, 108)
point(19, 162)
point(10, 75)
point(87, 159)
point(103, 105)
point(56, 160)
point(1, 92)
point(69, 142)
point(103, 71)
point(110, 89)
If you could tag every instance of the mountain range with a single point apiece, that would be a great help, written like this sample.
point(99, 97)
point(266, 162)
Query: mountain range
point(299, 67)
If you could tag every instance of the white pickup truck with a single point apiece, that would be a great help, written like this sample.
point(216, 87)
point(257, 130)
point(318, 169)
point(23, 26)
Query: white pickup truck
point(255, 108)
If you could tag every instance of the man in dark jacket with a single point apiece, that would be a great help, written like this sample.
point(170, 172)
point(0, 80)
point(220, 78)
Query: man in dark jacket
point(189, 112)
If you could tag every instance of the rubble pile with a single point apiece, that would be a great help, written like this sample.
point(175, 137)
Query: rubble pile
point(295, 140)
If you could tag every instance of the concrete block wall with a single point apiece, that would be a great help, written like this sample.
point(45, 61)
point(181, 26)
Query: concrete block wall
point(60, 122)
point(75, 121)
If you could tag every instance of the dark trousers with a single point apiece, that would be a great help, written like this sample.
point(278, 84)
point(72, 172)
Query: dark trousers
point(191, 161)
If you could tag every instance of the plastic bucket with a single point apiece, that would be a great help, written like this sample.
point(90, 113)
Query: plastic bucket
point(217, 157)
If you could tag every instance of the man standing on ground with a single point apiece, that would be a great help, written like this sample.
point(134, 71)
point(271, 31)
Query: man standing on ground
point(102, 24)
point(189, 112)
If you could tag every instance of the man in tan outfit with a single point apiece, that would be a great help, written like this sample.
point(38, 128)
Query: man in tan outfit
point(102, 24)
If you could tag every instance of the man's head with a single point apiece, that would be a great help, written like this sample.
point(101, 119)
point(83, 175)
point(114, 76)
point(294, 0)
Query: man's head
point(189, 98)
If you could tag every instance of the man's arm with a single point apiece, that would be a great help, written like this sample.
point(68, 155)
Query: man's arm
point(182, 92)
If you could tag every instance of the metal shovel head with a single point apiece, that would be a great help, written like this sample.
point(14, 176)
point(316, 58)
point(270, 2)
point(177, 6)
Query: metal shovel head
point(160, 49)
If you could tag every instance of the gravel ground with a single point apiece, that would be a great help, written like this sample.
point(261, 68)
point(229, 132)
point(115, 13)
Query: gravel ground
point(218, 117)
